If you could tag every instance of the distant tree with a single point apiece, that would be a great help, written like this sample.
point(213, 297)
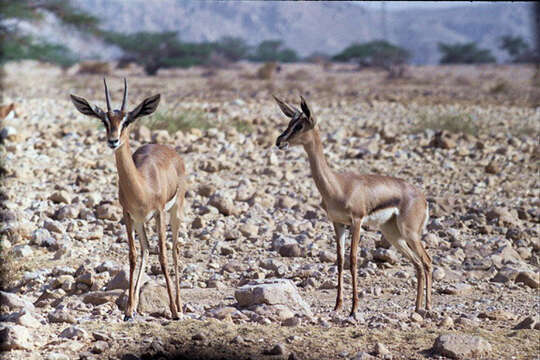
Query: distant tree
point(517, 48)
point(464, 53)
point(377, 53)
point(232, 48)
point(17, 46)
point(160, 50)
point(273, 50)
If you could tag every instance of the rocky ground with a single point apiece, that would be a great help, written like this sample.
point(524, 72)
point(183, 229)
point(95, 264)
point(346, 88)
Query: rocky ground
point(257, 266)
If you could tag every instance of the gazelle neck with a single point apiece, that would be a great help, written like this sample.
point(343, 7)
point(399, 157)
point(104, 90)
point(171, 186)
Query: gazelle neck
point(129, 178)
point(322, 174)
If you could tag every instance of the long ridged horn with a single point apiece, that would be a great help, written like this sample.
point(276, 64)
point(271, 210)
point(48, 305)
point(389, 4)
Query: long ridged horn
point(124, 100)
point(107, 96)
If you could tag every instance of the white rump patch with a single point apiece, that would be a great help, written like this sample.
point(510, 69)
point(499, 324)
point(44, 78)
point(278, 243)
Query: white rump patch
point(380, 217)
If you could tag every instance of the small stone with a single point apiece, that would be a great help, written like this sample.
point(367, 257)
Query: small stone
point(74, 332)
point(381, 349)
point(224, 205)
point(154, 299)
point(61, 316)
point(99, 347)
point(291, 250)
point(57, 356)
point(249, 230)
point(60, 197)
point(416, 317)
point(278, 349)
point(529, 278)
point(438, 274)
point(106, 212)
point(385, 255)
point(447, 322)
point(458, 289)
point(22, 251)
point(199, 337)
point(53, 226)
point(327, 256)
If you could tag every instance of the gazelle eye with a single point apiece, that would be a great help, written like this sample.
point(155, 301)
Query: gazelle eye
point(297, 127)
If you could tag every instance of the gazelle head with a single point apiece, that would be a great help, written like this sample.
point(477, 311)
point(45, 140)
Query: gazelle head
point(116, 121)
point(299, 129)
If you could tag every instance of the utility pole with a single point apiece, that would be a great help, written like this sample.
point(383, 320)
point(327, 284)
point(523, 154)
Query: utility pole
point(383, 20)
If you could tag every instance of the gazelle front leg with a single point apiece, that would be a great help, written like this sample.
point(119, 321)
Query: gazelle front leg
point(132, 264)
point(143, 241)
point(340, 244)
point(356, 227)
point(163, 260)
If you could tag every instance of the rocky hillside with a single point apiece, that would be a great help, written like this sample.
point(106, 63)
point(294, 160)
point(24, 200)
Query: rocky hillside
point(307, 26)
point(257, 260)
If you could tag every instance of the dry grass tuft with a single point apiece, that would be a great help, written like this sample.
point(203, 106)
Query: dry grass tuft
point(183, 120)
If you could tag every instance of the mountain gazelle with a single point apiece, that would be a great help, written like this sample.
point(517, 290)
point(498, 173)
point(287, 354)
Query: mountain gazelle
point(350, 200)
point(151, 182)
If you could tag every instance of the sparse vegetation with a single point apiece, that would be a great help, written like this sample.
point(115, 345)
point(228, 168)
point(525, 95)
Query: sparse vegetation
point(457, 123)
point(174, 120)
point(266, 71)
point(517, 48)
point(273, 50)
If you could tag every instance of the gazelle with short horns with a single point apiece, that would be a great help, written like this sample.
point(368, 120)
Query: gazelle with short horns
point(350, 200)
point(151, 182)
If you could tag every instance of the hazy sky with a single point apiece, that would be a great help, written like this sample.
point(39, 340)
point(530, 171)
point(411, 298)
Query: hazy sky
point(401, 5)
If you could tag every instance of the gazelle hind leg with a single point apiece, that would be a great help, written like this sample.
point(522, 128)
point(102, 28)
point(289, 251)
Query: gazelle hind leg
point(392, 233)
point(176, 215)
point(162, 235)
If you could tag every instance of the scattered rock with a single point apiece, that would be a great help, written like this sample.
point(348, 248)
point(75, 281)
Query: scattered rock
point(381, 350)
point(60, 197)
point(74, 332)
point(154, 299)
point(291, 250)
point(278, 349)
point(14, 337)
point(458, 346)
point(529, 278)
point(272, 292)
point(458, 289)
point(386, 255)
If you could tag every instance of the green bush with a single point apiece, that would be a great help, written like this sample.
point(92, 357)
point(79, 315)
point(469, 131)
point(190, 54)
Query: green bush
point(273, 50)
point(464, 53)
point(22, 48)
point(517, 48)
point(377, 53)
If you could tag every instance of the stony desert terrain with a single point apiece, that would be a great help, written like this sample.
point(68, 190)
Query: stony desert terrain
point(468, 136)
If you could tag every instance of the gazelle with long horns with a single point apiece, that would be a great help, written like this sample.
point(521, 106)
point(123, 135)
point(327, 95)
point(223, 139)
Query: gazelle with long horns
point(350, 200)
point(151, 182)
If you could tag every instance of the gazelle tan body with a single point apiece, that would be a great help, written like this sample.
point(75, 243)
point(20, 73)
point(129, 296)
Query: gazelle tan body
point(399, 209)
point(151, 181)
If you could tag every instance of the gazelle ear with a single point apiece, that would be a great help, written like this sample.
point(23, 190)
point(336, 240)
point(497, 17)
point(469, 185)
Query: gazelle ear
point(146, 107)
point(304, 106)
point(307, 111)
point(287, 109)
point(84, 107)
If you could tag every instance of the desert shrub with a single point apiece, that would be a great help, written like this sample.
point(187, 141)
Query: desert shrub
point(298, 75)
point(94, 67)
point(266, 71)
point(22, 48)
point(517, 48)
point(232, 48)
point(454, 122)
point(464, 53)
point(500, 86)
point(155, 50)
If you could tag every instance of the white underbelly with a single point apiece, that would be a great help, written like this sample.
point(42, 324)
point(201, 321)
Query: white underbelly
point(168, 205)
point(380, 217)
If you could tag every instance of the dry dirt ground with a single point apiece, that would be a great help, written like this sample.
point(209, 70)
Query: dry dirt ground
point(62, 236)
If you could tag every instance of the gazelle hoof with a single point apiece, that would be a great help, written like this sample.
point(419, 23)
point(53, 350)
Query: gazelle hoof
point(128, 318)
